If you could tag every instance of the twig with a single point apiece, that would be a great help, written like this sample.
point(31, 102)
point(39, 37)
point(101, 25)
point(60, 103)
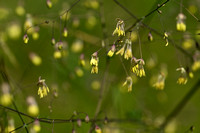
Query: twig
point(181, 104)
point(71, 119)
point(24, 124)
point(139, 21)
point(21, 127)
point(6, 79)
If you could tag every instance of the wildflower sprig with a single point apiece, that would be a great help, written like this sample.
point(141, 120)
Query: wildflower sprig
point(138, 67)
point(43, 88)
point(183, 76)
point(129, 83)
point(126, 50)
point(165, 37)
point(160, 83)
point(112, 50)
point(119, 30)
point(180, 24)
point(94, 62)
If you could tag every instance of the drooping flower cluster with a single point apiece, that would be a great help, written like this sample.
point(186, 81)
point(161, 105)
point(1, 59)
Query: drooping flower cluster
point(11, 126)
point(183, 76)
point(33, 108)
point(129, 83)
point(49, 3)
point(25, 38)
point(180, 25)
point(82, 60)
point(43, 88)
point(126, 50)
point(35, 59)
point(160, 83)
point(6, 97)
point(97, 129)
point(119, 30)
point(112, 51)
point(165, 37)
point(65, 32)
point(138, 67)
point(150, 37)
point(94, 62)
point(196, 63)
point(36, 127)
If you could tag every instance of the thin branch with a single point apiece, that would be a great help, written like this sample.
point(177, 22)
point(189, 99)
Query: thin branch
point(6, 79)
point(21, 127)
point(139, 21)
point(76, 2)
point(181, 104)
point(20, 117)
point(51, 121)
point(13, 110)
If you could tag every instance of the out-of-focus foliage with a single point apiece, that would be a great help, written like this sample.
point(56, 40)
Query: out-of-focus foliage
point(59, 54)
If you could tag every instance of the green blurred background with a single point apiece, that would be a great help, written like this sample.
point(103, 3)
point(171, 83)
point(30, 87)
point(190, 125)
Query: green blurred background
point(76, 93)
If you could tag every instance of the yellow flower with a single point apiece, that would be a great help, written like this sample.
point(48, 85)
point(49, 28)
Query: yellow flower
point(14, 31)
point(53, 41)
point(121, 51)
point(96, 85)
point(196, 65)
point(25, 38)
point(188, 43)
point(191, 75)
point(91, 21)
point(79, 72)
point(165, 37)
point(98, 129)
point(119, 28)
point(138, 68)
point(92, 4)
point(160, 84)
point(36, 126)
point(94, 62)
point(43, 88)
point(129, 83)
point(57, 54)
point(183, 77)
point(35, 35)
point(28, 24)
point(151, 62)
point(180, 25)
point(182, 80)
point(128, 52)
point(59, 45)
point(126, 49)
point(65, 32)
point(20, 10)
point(49, 3)
point(134, 36)
point(77, 46)
point(36, 60)
point(94, 69)
point(150, 37)
point(33, 108)
point(10, 127)
point(82, 60)
point(111, 51)
point(6, 97)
